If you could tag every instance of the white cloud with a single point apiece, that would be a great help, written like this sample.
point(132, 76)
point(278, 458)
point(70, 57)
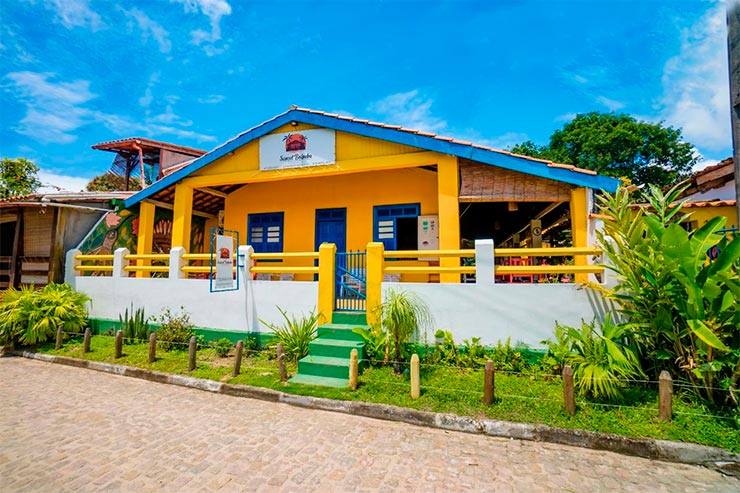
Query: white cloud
point(611, 104)
point(695, 84)
point(56, 110)
point(75, 13)
point(214, 10)
point(146, 100)
point(409, 109)
point(55, 182)
point(566, 117)
point(151, 28)
point(212, 99)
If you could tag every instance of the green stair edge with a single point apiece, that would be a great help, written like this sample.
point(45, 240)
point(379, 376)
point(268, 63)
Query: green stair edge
point(319, 381)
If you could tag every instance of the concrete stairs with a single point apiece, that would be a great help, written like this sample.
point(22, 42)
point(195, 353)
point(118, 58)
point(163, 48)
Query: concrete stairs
point(327, 363)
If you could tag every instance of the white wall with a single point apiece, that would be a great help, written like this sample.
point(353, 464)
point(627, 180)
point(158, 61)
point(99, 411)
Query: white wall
point(493, 312)
point(230, 310)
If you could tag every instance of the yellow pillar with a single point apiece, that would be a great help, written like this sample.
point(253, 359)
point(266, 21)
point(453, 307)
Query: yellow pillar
point(182, 216)
point(327, 281)
point(449, 213)
point(579, 225)
point(373, 281)
point(145, 238)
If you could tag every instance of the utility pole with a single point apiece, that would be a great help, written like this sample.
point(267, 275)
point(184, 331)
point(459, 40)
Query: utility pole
point(733, 52)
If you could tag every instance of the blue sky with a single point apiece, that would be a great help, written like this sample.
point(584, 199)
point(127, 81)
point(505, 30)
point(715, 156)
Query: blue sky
point(197, 72)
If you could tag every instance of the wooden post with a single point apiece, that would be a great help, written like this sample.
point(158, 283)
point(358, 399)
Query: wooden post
point(86, 341)
point(152, 347)
point(353, 367)
point(191, 355)
point(415, 384)
point(488, 383)
point(60, 336)
point(238, 358)
point(665, 396)
point(281, 363)
point(119, 344)
point(569, 391)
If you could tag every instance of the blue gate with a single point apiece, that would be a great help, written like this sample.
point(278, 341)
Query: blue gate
point(350, 291)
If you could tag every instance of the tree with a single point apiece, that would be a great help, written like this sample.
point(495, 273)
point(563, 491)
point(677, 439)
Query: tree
point(621, 146)
point(108, 182)
point(18, 177)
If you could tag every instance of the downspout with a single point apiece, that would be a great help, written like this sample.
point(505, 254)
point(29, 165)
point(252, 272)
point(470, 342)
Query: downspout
point(141, 164)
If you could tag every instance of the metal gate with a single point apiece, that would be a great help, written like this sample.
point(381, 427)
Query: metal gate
point(350, 285)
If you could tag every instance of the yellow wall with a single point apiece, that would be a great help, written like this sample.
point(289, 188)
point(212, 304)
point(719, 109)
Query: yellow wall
point(703, 214)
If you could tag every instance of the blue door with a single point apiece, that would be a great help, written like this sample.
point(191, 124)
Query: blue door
point(331, 227)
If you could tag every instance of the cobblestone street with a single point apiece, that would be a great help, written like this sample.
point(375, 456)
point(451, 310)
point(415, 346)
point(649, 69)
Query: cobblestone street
point(67, 429)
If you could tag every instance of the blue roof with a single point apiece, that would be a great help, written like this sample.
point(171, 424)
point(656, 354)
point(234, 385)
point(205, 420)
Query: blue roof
point(414, 138)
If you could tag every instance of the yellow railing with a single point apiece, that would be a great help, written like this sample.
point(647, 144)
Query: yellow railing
point(103, 264)
point(274, 268)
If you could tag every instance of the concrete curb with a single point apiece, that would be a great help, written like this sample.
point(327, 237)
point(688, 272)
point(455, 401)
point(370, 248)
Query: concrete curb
point(685, 453)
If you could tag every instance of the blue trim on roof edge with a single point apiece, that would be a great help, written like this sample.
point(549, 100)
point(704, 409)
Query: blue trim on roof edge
point(500, 159)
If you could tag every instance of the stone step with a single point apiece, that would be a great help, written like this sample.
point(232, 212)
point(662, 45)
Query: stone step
point(320, 381)
point(324, 366)
point(336, 348)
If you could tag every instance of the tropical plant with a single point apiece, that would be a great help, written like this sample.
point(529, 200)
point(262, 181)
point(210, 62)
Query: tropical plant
point(444, 351)
point(222, 347)
point(134, 325)
point(376, 342)
point(472, 353)
point(175, 330)
point(509, 358)
point(29, 316)
point(553, 361)
point(296, 333)
point(402, 314)
point(684, 309)
point(601, 361)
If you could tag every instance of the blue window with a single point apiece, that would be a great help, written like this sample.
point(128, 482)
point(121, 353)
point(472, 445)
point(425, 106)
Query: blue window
point(396, 226)
point(265, 232)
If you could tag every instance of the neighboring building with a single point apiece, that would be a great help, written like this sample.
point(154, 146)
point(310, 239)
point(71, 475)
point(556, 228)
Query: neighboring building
point(711, 193)
point(37, 230)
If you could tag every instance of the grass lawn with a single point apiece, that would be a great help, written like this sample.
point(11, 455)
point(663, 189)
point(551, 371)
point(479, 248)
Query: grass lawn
point(520, 398)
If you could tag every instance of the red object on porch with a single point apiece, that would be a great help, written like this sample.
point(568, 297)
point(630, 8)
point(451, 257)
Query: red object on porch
point(520, 277)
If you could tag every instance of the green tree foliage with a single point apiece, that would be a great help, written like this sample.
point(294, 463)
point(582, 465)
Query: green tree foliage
point(619, 145)
point(110, 182)
point(18, 177)
point(684, 309)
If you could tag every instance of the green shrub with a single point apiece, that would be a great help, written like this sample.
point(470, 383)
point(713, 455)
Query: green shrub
point(444, 351)
point(376, 342)
point(222, 347)
point(134, 325)
point(28, 316)
point(403, 314)
point(175, 330)
point(296, 333)
point(509, 358)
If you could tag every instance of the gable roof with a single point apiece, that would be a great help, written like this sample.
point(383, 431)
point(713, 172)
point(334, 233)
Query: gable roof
point(397, 134)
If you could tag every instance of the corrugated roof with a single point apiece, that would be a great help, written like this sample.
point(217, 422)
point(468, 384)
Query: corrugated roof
point(116, 145)
point(392, 133)
point(67, 197)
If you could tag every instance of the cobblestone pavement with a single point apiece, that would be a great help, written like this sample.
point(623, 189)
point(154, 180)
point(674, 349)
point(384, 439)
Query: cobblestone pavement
point(67, 429)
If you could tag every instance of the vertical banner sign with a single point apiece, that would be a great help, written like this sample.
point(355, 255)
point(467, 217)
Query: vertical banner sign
point(224, 262)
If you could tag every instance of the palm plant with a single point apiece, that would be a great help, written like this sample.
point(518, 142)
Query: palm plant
point(30, 316)
point(402, 315)
point(296, 333)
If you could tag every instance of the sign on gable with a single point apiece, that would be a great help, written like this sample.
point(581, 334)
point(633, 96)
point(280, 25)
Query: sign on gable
point(297, 149)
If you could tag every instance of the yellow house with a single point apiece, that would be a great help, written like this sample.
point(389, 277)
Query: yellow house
point(307, 177)
point(711, 193)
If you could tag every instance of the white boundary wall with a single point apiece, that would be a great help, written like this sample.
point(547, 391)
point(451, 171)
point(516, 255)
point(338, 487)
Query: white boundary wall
point(494, 312)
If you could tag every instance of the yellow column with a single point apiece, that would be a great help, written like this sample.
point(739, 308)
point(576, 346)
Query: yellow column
point(182, 216)
point(327, 281)
point(579, 225)
point(373, 280)
point(145, 239)
point(449, 213)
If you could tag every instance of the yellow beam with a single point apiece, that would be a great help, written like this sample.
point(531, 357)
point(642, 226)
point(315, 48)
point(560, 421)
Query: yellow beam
point(374, 278)
point(546, 252)
point(468, 269)
point(285, 270)
point(579, 225)
point(396, 161)
point(449, 213)
point(550, 269)
point(182, 216)
point(146, 234)
point(327, 281)
point(94, 257)
point(428, 253)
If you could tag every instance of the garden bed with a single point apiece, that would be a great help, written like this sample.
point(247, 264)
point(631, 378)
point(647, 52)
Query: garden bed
point(520, 397)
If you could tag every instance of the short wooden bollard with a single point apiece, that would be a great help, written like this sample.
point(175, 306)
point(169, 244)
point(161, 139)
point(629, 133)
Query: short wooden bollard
point(569, 391)
point(489, 382)
point(152, 347)
point(119, 344)
point(281, 363)
point(86, 341)
point(191, 355)
point(238, 358)
point(665, 396)
point(415, 377)
point(60, 336)
point(353, 368)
